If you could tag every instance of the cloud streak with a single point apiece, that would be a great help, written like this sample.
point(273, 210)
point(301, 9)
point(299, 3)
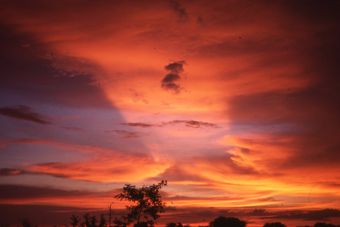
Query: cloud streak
point(23, 112)
point(186, 123)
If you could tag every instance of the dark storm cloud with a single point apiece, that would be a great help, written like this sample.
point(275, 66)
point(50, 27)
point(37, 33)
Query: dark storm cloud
point(177, 7)
point(170, 81)
point(23, 113)
point(29, 70)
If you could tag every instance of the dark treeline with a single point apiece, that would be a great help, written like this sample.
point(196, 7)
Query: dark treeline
point(88, 220)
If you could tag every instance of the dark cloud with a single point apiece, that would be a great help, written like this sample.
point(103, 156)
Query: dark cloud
point(125, 134)
point(193, 124)
point(139, 124)
point(170, 80)
point(187, 123)
point(175, 67)
point(23, 113)
point(181, 12)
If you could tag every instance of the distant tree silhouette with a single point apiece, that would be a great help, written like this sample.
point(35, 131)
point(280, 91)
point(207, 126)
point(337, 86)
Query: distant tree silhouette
point(322, 224)
point(274, 224)
point(173, 224)
point(227, 222)
point(26, 223)
point(119, 223)
point(142, 224)
point(147, 204)
point(93, 221)
point(87, 220)
point(75, 220)
point(102, 221)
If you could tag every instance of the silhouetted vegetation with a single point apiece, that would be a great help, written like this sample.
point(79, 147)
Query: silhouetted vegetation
point(26, 223)
point(227, 222)
point(75, 220)
point(173, 224)
point(147, 204)
point(322, 224)
point(274, 224)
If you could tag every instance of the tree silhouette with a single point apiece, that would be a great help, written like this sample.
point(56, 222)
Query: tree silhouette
point(93, 221)
point(322, 224)
point(173, 224)
point(86, 222)
point(147, 203)
point(119, 223)
point(227, 222)
point(26, 223)
point(102, 221)
point(74, 220)
point(274, 224)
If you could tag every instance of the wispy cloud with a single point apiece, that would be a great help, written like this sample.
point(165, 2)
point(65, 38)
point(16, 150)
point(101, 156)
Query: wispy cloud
point(125, 134)
point(178, 8)
point(23, 112)
point(187, 123)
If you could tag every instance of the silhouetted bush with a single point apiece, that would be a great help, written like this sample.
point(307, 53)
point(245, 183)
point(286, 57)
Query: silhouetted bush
point(75, 220)
point(102, 221)
point(173, 224)
point(26, 223)
point(141, 224)
point(119, 223)
point(227, 222)
point(274, 224)
point(322, 224)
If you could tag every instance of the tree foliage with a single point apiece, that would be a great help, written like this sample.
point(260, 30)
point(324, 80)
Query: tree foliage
point(75, 220)
point(146, 202)
point(227, 222)
point(274, 224)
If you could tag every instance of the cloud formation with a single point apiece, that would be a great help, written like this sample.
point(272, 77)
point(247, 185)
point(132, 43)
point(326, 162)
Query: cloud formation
point(125, 134)
point(177, 7)
point(170, 81)
point(187, 123)
point(23, 112)
point(192, 123)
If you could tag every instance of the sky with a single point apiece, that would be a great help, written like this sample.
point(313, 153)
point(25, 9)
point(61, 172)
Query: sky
point(235, 103)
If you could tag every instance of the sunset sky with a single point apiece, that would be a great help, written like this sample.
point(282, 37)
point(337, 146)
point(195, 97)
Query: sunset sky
point(235, 103)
